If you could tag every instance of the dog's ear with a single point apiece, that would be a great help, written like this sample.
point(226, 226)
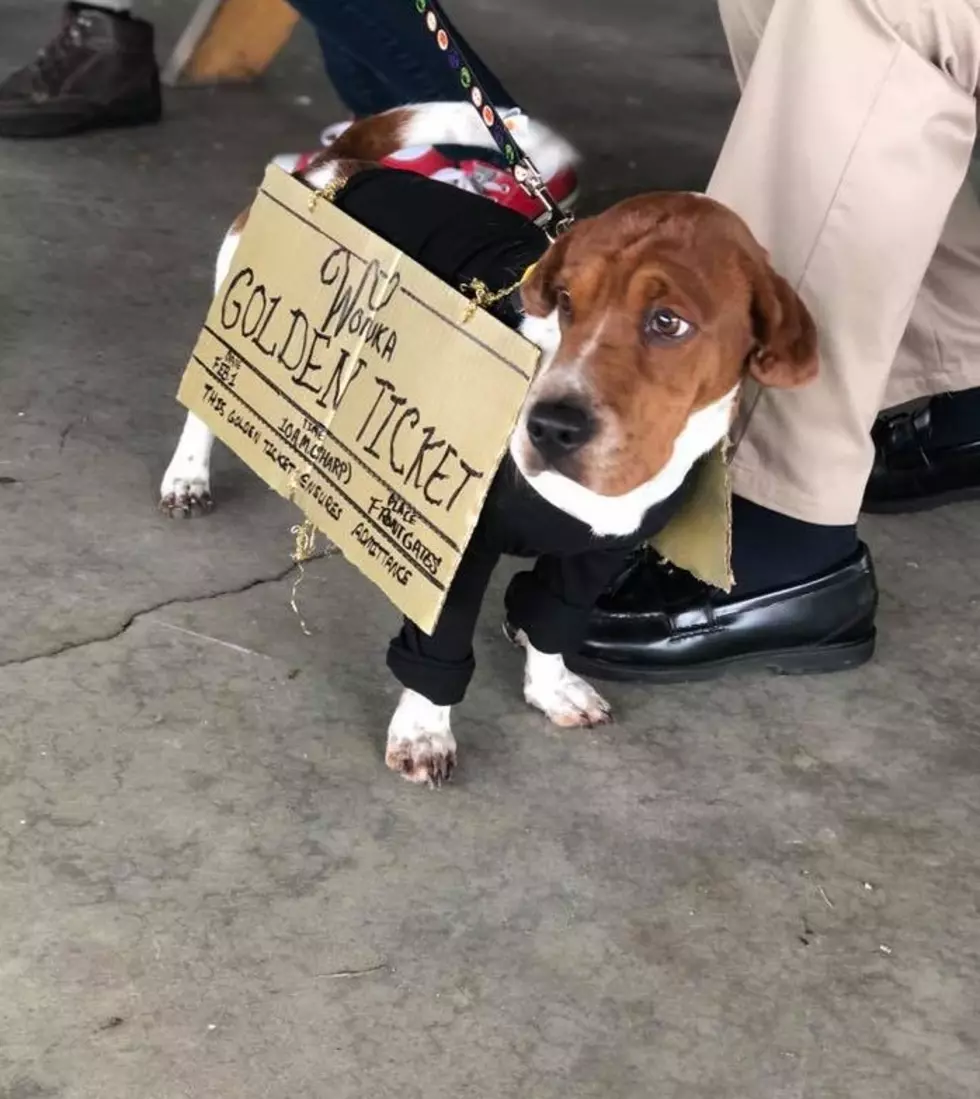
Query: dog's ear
point(539, 291)
point(785, 353)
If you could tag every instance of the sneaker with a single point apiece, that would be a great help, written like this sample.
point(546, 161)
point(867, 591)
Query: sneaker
point(476, 176)
point(99, 70)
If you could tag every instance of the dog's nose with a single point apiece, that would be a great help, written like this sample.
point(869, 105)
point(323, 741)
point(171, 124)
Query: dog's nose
point(559, 428)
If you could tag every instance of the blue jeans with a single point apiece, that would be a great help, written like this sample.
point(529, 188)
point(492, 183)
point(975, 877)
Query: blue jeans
point(378, 55)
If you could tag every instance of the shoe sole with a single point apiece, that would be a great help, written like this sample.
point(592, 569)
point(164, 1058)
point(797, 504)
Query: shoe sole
point(921, 503)
point(815, 661)
point(142, 113)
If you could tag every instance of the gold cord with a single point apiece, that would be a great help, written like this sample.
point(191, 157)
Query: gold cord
point(328, 191)
point(483, 297)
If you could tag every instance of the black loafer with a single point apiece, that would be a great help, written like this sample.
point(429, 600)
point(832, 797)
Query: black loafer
point(914, 472)
point(658, 623)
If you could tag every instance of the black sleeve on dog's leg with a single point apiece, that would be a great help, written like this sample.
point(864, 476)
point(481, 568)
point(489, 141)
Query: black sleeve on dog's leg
point(440, 666)
point(552, 603)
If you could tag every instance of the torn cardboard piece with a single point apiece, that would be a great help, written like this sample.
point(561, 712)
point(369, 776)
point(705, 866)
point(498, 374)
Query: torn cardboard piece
point(342, 372)
point(699, 537)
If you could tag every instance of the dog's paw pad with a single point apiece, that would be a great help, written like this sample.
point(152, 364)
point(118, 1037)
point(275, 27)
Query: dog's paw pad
point(183, 499)
point(569, 702)
point(428, 758)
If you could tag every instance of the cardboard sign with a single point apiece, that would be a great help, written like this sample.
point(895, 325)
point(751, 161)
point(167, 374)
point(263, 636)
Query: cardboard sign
point(357, 385)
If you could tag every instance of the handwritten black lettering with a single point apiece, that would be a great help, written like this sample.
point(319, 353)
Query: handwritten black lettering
point(213, 399)
point(376, 551)
point(312, 446)
point(384, 386)
point(250, 430)
point(425, 448)
point(402, 532)
point(273, 306)
point(435, 459)
point(398, 505)
point(319, 492)
point(353, 308)
point(274, 454)
point(310, 366)
point(254, 309)
point(300, 325)
point(246, 277)
point(437, 475)
point(332, 389)
point(396, 402)
point(469, 474)
point(226, 366)
point(397, 467)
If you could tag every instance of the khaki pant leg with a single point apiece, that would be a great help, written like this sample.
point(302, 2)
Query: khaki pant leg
point(744, 22)
point(850, 143)
point(941, 349)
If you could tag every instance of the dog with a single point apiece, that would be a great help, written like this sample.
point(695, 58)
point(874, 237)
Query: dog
point(648, 316)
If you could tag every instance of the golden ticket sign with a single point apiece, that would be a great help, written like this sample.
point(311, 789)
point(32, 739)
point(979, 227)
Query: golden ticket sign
point(356, 384)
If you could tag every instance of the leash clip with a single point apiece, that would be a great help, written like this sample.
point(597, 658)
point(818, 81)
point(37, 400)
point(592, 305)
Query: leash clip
point(529, 178)
point(526, 174)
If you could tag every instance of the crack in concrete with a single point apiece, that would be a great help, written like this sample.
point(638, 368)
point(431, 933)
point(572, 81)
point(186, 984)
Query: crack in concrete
point(131, 620)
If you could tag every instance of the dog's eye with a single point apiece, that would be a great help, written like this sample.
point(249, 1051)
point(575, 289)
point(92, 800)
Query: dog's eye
point(665, 324)
point(564, 302)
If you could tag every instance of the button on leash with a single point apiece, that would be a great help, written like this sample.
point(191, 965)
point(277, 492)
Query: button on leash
point(520, 164)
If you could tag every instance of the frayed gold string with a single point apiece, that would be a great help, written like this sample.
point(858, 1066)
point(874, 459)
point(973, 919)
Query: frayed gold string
point(304, 547)
point(483, 297)
point(328, 191)
point(304, 533)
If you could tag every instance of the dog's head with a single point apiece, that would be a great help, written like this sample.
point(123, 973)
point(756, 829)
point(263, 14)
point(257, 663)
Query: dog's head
point(651, 315)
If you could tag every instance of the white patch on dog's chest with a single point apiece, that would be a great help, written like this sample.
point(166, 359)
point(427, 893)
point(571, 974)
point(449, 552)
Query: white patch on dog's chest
point(619, 516)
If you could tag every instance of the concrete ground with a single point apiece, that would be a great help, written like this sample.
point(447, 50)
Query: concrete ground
point(210, 886)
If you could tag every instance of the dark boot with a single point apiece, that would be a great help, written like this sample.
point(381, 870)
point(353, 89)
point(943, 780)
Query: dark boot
point(98, 71)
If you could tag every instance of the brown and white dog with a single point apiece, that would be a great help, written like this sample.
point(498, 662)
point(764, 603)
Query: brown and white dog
point(649, 316)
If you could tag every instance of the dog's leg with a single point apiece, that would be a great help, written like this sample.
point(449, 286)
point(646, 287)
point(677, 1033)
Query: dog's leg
point(421, 745)
point(186, 486)
point(566, 698)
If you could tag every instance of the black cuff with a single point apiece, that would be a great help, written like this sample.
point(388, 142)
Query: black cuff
point(442, 682)
point(551, 624)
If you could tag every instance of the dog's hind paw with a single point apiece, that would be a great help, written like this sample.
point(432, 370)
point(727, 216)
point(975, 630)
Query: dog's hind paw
point(421, 746)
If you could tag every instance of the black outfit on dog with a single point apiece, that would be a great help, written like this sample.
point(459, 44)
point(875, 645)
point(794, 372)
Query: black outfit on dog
point(551, 603)
point(459, 236)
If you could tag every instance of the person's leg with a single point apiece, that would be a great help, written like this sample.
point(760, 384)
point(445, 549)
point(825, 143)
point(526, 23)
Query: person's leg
point(361, 90)
point(388, 39)
point(941, 347)
point(919, 458)
point(99, 70)
point(380, 55)
point(929, 455)
point(882, 94)
point(848, 148)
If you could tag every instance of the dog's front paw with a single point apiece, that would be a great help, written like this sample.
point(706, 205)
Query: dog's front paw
point(567, 699)
point(185, 495)
point(421, 746)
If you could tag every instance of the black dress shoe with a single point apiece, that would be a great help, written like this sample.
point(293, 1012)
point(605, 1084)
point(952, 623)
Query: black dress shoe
point(915, 472)
point(659, 623)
